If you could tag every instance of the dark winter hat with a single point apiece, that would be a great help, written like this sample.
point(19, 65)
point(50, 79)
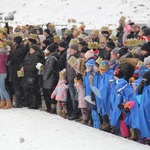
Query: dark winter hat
point(84, 49)
point(46, 42)
point(146, 78)
point(111, 44)
point(52, 47)
point(144, 27)
point(18, 39)
point(122, 51)
point(47, 31)
point(35, 47)
point(63, 44)
point(74, 46)
point(146, 32)
point(146, 47)
point(125, 71)
point(83, 43)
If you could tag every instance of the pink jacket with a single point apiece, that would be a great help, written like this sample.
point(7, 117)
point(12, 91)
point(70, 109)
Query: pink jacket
point(3, 61)
point(60, 91)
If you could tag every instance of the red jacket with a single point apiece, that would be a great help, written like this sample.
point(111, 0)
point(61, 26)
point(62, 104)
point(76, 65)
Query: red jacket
point(3, 61)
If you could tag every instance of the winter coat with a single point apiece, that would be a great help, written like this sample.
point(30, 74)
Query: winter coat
point(3, 61)
point(68, 39)
point(144, 113)
point(62, 62)
point(81, 94)
point(60, 91)
point(105, 91)
point(50, 73)
point(101, 53)
point(70, 72)
point(30, 70)
point(15, 60)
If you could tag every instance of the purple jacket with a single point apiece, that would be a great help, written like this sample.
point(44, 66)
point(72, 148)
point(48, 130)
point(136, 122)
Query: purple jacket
point(3, 60)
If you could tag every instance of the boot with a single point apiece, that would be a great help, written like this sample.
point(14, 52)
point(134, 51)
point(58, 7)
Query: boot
point(64, 113)
point(2, 104)
point(106, 127)
point(53, 109)
point(134, 135)
point(84, 120)
point(113, 130)
point(8, 104)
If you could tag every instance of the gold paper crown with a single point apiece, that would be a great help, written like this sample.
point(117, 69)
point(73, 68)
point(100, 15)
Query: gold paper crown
point(74, 26)
point(74, 41)
point(135, 42)
point(56, 38)
point(123, 18)
point(104, 28)
point(4, 43)
point(93, 45)
point(18, 34)
point(51, 26)
point(95, 32)
point(18, 27)
point(32, 36)
point(73, 21)
point(24, 27)
point(2, 30)
point(79, 31)
point(83, 25)
point(69, 20)
point(102, 39)
point(2, 37)
point(62, 74)
point(68, 31)
point(113, 37)
point(98, 60)
point(72, 61)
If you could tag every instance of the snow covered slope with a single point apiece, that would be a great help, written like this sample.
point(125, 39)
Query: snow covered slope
point(94, 13)
point(24, 129)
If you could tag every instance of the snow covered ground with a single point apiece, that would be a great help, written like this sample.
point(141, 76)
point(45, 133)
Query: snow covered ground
point(94, 13)
point(24, 129)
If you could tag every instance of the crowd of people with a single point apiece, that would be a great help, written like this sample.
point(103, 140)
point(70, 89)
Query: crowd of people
point(101, 80)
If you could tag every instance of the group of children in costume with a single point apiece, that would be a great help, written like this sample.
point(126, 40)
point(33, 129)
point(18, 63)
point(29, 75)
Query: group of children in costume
point(109, 98)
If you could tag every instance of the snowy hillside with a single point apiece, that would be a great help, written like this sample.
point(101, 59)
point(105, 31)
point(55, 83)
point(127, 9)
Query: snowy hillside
point(94, 13)
point(24, 129)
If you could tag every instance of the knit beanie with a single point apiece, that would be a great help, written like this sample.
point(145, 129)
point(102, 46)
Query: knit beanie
point(122, 51)
point(35, 47)
point(111, 44)
point(147, 60)
point(89, 54)
point(115, 50)
point(84, 49)
point(46, 42)
point(47, 31)
point(146, 77)
point(74, 47)
point(146, 47)
point(18, 39)
point(52, 47)
point(63, 44)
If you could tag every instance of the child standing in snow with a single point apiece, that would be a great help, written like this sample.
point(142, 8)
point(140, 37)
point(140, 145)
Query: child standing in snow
point(60, 94)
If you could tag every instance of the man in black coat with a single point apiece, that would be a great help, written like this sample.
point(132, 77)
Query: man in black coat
point(30, 81)
point(70, 76)
point(62, 48)
point(15, 60)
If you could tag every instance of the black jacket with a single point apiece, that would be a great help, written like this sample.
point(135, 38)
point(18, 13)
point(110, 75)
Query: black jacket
point(62, 60)
point(14, 62)
point(50, 73)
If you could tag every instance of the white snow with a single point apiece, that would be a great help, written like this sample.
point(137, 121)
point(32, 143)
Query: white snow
point(94, 13)
point(24, 129)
